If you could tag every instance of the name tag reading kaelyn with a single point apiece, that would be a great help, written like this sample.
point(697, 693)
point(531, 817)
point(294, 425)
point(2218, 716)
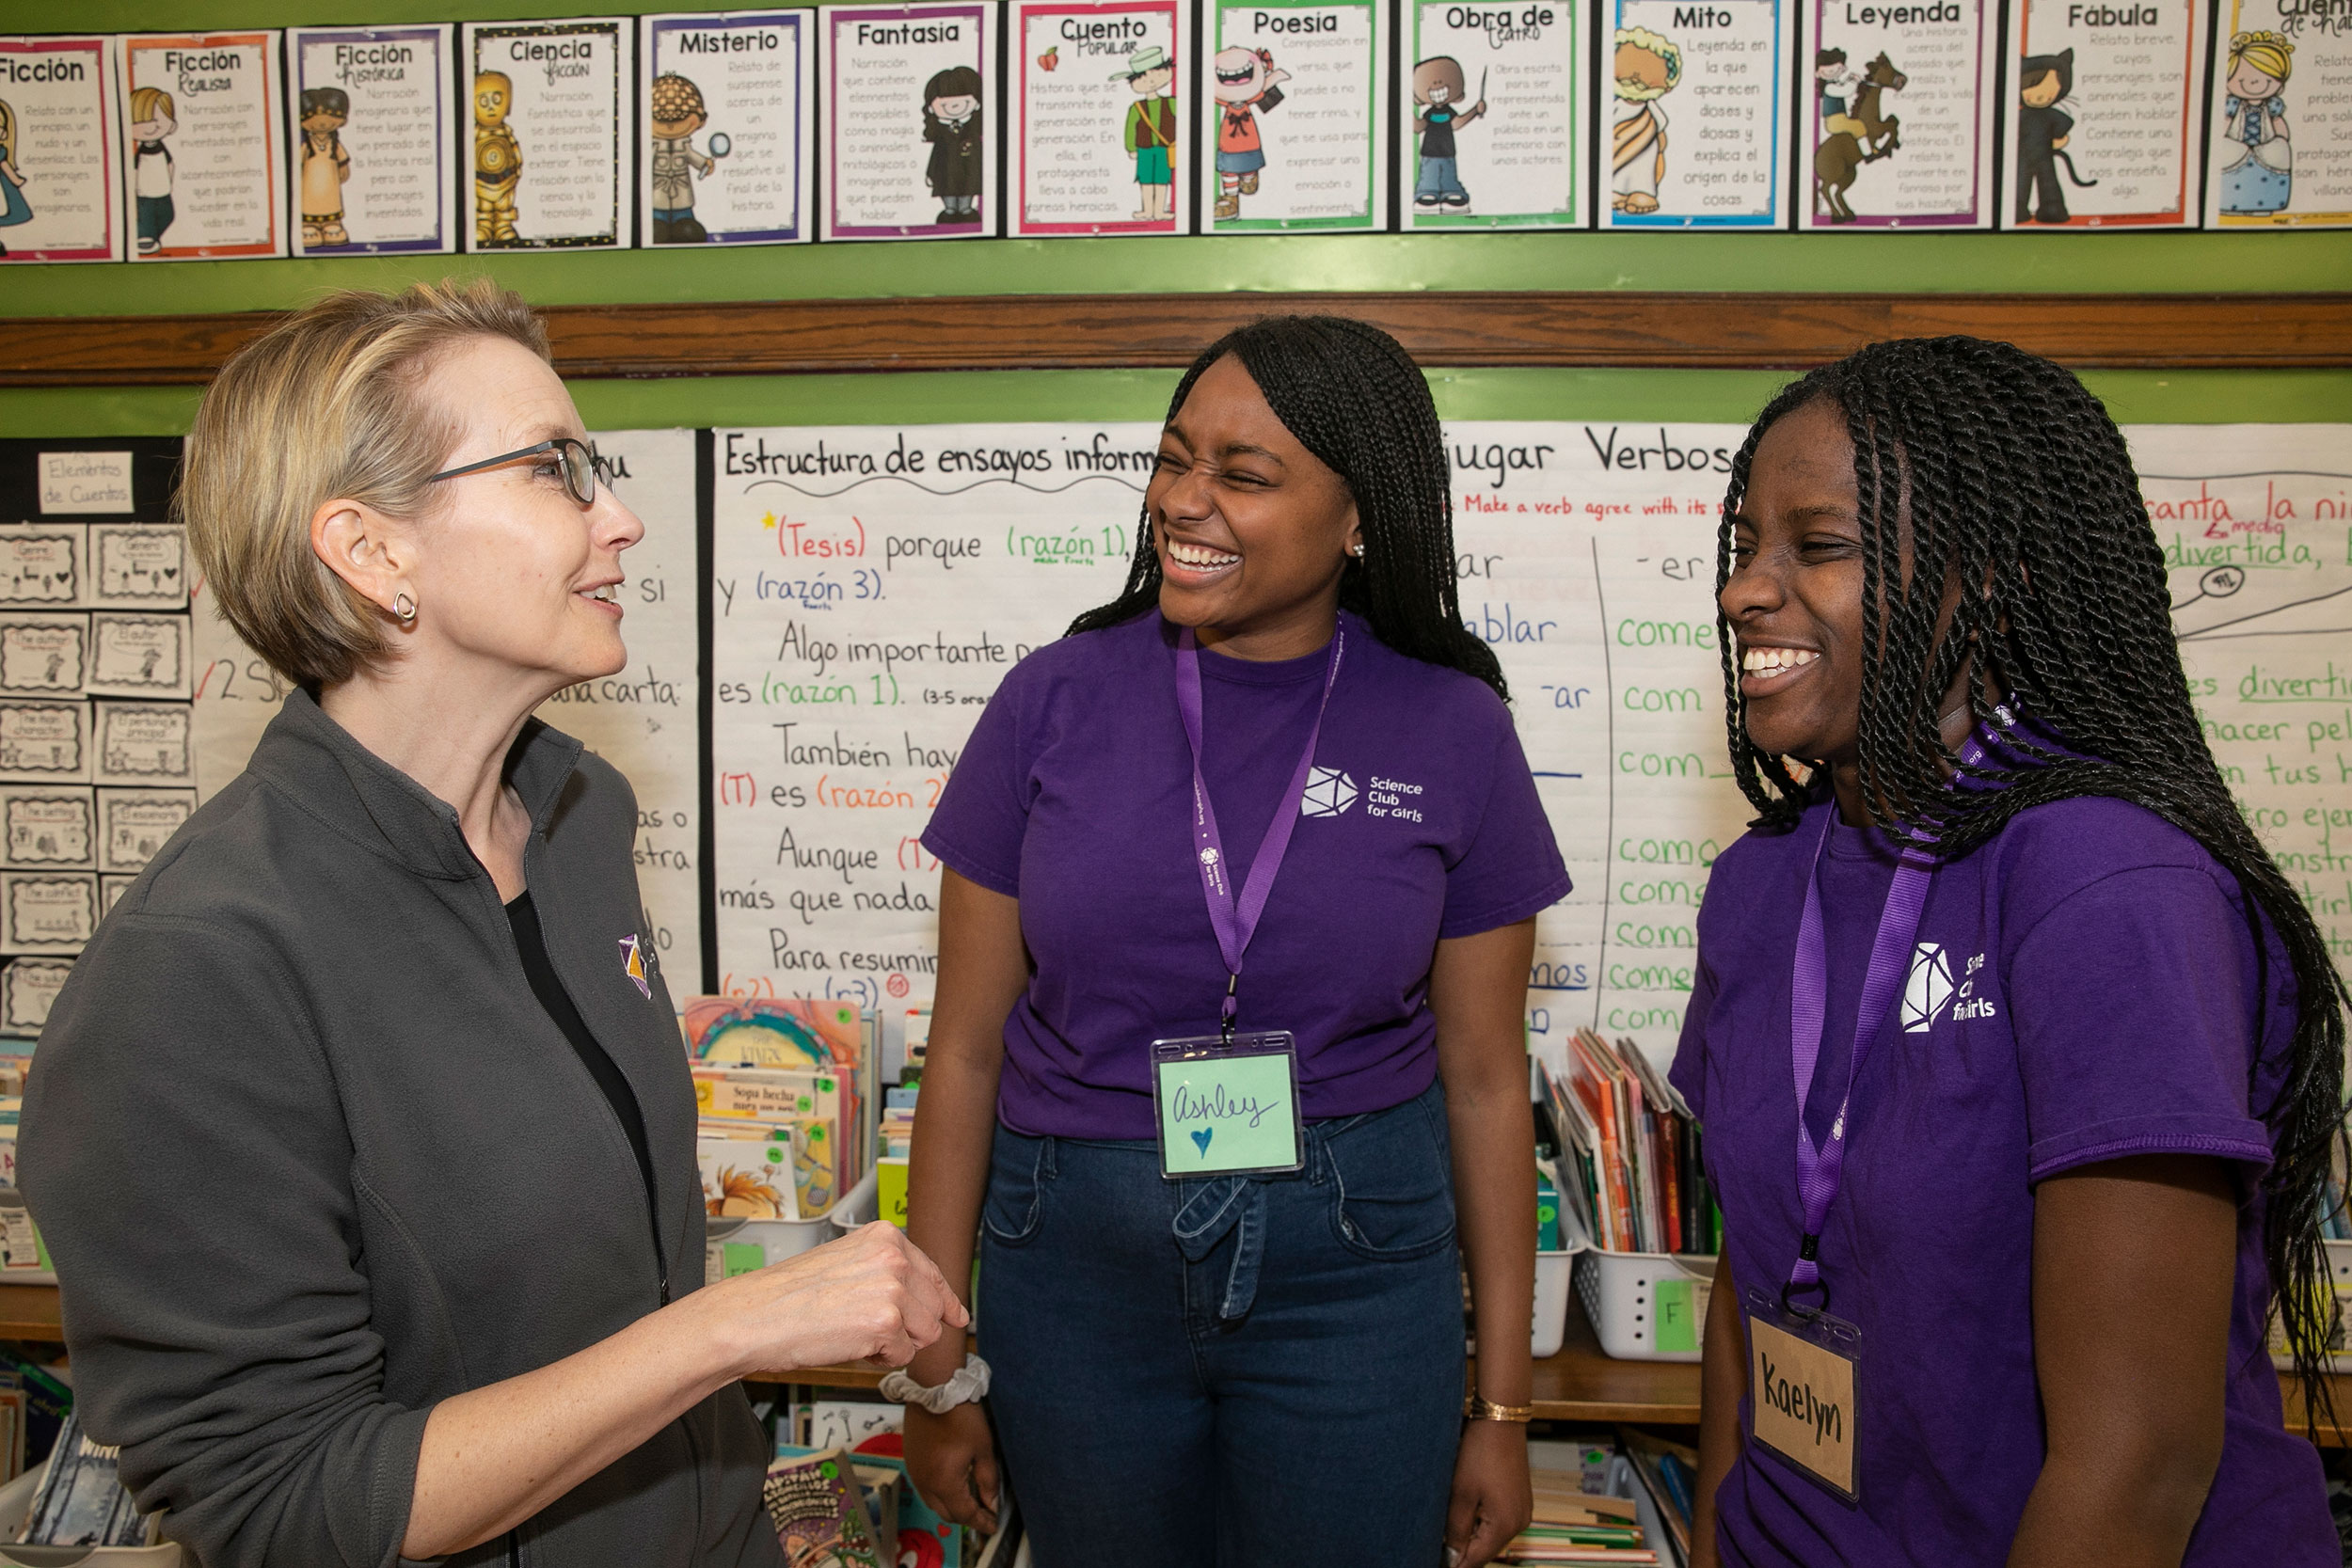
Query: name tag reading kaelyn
point(1802, 1394)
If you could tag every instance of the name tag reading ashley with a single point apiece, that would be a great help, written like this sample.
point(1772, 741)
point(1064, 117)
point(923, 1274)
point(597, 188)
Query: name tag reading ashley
point(1801, 1385)
point(1228, 1109)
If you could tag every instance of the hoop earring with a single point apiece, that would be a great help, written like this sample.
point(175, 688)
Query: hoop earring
point(405, 607)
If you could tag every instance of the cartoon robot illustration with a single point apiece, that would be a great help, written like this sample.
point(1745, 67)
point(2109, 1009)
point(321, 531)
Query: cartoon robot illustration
point(14, 209)
point(678, 113)
point(152, 118)
point(951, 123)
point(2259, 179)
point(1247, 86)
point(498, 159)
point(1438, 89)
point(2045, 86)
point(1150, 134)
point(326, 165)
point(1646, 68)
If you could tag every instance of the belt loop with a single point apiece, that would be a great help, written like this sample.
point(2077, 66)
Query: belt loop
point(1045, 1158)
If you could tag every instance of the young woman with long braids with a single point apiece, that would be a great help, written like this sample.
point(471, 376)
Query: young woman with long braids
point(1200, 1358)
point(2019, 1059)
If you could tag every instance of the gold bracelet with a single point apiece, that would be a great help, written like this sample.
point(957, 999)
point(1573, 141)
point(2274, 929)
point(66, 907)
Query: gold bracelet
point(1477, 1407)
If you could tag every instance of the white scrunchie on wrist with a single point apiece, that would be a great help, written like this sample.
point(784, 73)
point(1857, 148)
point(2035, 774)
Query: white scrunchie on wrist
point(970, 1383)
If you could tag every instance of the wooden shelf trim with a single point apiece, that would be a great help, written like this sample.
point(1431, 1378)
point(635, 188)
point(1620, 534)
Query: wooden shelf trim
point(1703, 331)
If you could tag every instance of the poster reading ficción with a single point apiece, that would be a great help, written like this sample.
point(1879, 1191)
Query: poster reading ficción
point(1697, 113)
point(727, 126)
point(373, 123)
point(911, 119)
point(2281, 139)
point(1290, 114)
point(551, 161)
point(1900, 107)
point(1493, 101)
point(204, 145)
point(2101, 114)
point(1099, 138)
point(59, 199)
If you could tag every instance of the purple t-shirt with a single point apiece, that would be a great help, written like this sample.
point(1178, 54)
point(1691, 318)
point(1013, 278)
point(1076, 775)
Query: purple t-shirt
point(2102, 1002)
point(1075, 796)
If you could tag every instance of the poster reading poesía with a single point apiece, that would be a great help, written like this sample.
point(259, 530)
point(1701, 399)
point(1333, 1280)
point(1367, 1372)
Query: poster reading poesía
point(59, 195)
point(728, 128)
point(2282, 117)
point(911, 119)
point(2101, 115)
point(1291, 112)
point(553, 159)
point(204, 144)
point(1698, 112)
point(1493, 102)
point(1098, 132)
point(372, 126)
point(1901, 105)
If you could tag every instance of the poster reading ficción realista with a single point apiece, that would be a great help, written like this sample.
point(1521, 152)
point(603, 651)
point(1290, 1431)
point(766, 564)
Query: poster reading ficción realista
point(1291, 118)
point(371, 124)
point(911, 118)
point(1493, 101)
point(2280, 137)
point(203, 133)
point(551, 161)
point(1696, 105)
point(2101, 115)
point(1900, 107)
point(728, 128)
point(1098, 138)
point(59, 168)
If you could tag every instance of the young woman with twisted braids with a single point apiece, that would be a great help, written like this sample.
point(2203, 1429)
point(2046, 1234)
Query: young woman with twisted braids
point(1244, 1366)
point(2069, 1050)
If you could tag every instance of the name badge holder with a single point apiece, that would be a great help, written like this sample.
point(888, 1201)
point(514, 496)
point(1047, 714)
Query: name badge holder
point(1228, 1106)
point(1803, 1374)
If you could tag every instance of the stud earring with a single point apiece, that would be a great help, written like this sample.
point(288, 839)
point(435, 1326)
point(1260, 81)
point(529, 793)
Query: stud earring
point(405, 607)
point(1357, 551)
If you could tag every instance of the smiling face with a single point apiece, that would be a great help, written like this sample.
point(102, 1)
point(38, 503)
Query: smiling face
point(1239, 75)
point(2042, 91)
point(152, 130)
point(320, 121)
point(2250, 82)
point(1251, 529)
point(1152, 84)
point(958, 107)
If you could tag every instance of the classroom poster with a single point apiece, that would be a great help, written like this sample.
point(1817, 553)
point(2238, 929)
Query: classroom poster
point(912, 120)
point(1492, 101)
point(552, 160)
point(371, 125)
point(1900, 109)
point(202, 123)
point(1293, 111)
point(1098, 142)
point(1698, 112)
point(2101, 117)
point(59, 164)
point(2282, 117)
point(728, 127)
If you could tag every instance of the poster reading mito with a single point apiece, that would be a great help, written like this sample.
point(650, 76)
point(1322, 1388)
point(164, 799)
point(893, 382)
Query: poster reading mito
point(912, 118)
point(1492, 104)
point(1697, 104)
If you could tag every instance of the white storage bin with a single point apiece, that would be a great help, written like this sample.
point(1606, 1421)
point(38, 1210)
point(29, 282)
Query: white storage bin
point(778, 1240)
point(16, 1502)
point(1620, 1290)
point(1552, 1273)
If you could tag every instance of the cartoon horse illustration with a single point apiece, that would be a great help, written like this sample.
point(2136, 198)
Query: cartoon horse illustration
point(1841, 155)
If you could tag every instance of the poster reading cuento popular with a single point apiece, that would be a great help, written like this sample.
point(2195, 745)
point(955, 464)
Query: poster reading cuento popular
point(203, 131)
point(2101, 116)
point(552, 160)
point(911, 119)
point(1493, 98)
point(2280, 134)
point(728, 127)
point(372, 126)
point(1292, 116)
point(60, 196)
point(1098, 138)
point(1697, 113)
point(1899, 112)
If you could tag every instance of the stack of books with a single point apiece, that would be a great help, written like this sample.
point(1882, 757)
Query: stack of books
point(802, 1067)
point(1572, 1525)
point(1630, 1172)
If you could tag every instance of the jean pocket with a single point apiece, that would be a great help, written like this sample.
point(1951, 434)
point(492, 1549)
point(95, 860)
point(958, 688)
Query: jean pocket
point(1015, 1206)
point(1393, 1196)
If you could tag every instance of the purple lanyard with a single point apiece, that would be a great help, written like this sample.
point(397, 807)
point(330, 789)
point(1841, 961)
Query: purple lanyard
point(1236, 924)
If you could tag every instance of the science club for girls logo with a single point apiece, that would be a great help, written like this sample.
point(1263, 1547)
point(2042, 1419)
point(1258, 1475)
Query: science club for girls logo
point(1931, 987)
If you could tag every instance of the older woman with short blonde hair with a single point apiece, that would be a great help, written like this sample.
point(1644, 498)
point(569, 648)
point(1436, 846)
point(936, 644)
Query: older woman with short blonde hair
point(362, 1134)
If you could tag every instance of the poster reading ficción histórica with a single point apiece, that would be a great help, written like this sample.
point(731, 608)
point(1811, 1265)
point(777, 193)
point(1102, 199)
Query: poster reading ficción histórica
point(372, 121)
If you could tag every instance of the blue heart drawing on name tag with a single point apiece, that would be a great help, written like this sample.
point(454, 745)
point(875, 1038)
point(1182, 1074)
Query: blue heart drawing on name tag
point(1202, 1138)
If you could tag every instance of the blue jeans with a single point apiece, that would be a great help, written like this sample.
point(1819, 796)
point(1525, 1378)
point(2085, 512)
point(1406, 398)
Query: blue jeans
point(1236, 1372)
point(1438, 178)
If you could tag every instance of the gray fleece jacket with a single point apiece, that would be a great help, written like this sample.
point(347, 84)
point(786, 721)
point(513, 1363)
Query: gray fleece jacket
point(311, 1156)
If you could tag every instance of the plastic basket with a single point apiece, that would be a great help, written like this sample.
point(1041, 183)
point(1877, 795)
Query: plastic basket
point(1622, 1294)
point(778, 1240)
point(1552, 1273)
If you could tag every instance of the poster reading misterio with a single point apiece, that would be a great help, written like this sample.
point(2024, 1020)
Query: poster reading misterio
point(1098, 138)
point(1293, 134)
point(372, 126)
point(2101, 114)
point(912, 120)
point(1493, 104)
point(551, 157)
point(728, 128)
point(59, 199)
point(2280, 116)
point(1697, 114)
point(1899, 106)
point(204, 129)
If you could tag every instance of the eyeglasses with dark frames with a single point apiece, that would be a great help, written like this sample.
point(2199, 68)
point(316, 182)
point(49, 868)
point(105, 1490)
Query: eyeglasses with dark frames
point(582, 463)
